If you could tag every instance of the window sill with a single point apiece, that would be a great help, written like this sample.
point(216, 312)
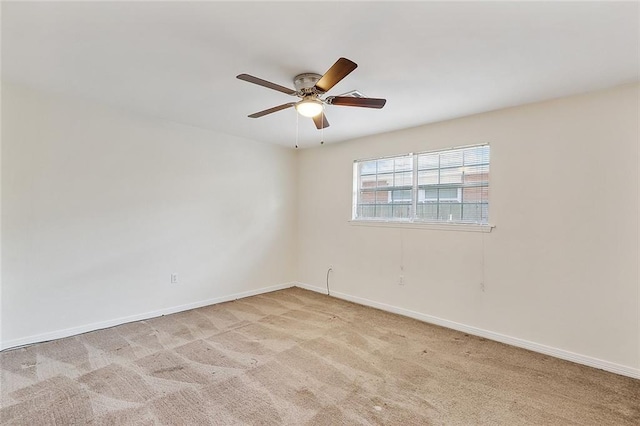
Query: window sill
point(462, 227)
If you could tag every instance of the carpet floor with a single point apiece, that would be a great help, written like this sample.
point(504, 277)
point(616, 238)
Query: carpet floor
point(300, 358)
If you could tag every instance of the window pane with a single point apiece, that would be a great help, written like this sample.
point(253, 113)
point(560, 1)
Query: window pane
point(475, 194)
point(368, 181)
point(402, 211)
point(367, 167)
point(475, 212)
point(384, 212)
point(385, 166)
point(476, 155)
point(448, 195)
point(403, 164)
point(429, 177)
point(367, 211)
point(427, 195)
point(383, 197)
point(451, 158)
point(476, 174)
point(403, 179)
point(449, 212)
point(367, 197)
point(402, 196)
point(428, 161)
point(385, 180)
point(451, 175)
point(427, 211)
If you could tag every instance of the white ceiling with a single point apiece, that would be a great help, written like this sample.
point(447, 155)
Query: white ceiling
point(431, 61)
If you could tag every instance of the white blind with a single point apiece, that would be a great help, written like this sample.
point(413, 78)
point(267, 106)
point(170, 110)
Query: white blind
point(385, 188)
point(442, 186)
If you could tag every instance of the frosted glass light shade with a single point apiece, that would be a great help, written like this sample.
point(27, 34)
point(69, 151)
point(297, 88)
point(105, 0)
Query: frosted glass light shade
point(309, 107)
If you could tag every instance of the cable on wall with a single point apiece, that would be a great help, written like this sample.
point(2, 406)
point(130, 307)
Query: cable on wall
point(328, 270)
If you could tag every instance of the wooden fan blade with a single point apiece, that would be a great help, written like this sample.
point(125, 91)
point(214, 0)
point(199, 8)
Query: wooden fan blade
point(337, 72)
point(357, 102)
point(265, 83)
point(270, 110)
point(320, 121)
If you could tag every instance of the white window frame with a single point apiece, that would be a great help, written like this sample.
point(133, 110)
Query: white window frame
point(413, 221)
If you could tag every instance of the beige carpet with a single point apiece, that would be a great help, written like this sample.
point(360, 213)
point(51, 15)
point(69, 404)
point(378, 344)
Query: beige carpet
point(297, 357)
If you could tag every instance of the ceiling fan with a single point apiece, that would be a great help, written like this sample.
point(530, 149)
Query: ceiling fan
point(310, 87)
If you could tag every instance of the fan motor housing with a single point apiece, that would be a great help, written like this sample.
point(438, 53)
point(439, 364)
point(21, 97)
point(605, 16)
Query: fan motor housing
point(305, 82)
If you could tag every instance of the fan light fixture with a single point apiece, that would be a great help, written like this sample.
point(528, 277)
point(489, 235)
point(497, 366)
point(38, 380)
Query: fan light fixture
point(311, 88)
point(309, 107)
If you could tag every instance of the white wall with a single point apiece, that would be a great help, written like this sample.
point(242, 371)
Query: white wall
point(101, 206)
point(561, 266)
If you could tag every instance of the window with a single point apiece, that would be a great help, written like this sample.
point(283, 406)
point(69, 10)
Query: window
point(385, 188)
point(449, 186)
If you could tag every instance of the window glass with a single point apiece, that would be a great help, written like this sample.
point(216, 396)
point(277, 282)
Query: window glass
point(441, 186)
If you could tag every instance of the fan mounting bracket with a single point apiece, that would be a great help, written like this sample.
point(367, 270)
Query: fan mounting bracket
point(305, 83)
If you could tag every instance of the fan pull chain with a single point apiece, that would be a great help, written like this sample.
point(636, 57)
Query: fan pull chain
point(322, 136)
point(297, 121)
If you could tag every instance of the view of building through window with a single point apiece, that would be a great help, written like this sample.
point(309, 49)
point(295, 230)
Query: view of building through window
point(441, 186)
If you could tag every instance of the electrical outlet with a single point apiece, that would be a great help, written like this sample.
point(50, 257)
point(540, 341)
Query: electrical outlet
point(174, 278)
point(401, 280)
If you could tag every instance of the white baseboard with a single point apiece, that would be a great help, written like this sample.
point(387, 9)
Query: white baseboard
point(513, 341)
point(59, 334)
